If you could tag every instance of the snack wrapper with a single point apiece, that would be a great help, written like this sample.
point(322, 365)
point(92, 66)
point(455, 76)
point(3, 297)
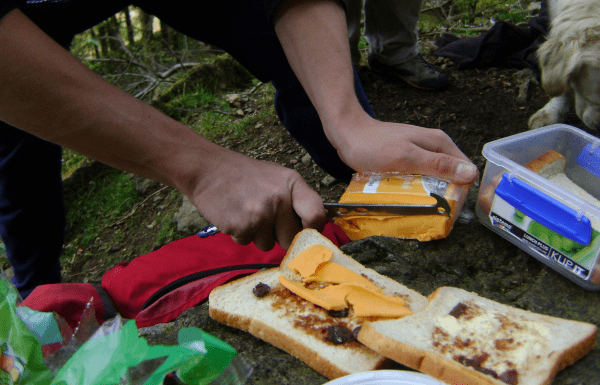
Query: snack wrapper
point(401, 189)
point(40, 348)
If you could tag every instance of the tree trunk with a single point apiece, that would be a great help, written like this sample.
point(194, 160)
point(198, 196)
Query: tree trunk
point(130, 32)
point(146, 25)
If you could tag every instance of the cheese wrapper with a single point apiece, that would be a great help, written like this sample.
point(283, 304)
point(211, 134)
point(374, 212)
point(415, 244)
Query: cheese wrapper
point(401, 189)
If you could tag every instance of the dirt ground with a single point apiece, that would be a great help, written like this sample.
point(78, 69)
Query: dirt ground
point(479, 106)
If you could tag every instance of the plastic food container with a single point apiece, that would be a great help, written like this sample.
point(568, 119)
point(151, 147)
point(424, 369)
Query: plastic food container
point(543, 218)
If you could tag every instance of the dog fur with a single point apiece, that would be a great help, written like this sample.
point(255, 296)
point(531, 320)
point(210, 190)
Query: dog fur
point(570, 63)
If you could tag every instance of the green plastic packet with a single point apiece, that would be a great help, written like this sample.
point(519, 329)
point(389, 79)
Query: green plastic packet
point(204, 369)
point(199, 357)
point(109, 356)
point(21, 361)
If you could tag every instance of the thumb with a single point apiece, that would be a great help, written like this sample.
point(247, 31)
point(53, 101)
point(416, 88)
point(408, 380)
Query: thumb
point(308, 205)
point(456, 170)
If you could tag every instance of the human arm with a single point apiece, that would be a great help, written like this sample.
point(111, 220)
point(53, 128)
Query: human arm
point(49, 93)
point(314, 38)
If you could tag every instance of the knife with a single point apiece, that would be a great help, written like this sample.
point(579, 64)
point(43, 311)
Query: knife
point(441, 207)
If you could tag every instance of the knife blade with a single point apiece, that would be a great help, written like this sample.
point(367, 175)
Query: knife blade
point(441, 207)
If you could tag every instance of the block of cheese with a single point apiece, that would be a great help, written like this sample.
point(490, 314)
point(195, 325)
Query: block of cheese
point(401, 189)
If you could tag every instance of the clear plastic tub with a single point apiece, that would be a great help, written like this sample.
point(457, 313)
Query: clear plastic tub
point(545, 219)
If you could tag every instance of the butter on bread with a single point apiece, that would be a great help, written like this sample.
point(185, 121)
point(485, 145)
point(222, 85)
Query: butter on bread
point(399, 189)
point(294, 324)
point(462, 338)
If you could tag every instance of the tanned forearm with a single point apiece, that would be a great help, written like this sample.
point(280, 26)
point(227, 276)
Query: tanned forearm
point(313, 35)
point(46, 91)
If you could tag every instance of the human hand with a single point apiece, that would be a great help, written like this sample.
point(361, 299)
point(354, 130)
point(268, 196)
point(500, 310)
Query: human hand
point(258, 201)
point(369, 145)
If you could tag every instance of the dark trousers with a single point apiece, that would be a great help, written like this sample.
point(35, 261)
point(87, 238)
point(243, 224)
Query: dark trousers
point(28, 164)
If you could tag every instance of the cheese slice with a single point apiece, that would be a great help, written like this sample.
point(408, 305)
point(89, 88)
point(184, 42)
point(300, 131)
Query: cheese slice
point(346, 287)
point(367, 303)
point(329, 298)
point(308, 261)
point(331, 272)
point(364, 301)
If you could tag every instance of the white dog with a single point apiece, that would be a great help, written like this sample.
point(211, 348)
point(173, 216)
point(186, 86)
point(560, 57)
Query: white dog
point(570, 63)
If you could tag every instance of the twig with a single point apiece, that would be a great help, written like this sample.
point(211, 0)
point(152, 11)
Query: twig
point(256, 87)
point(136, 207)
point(223, 112)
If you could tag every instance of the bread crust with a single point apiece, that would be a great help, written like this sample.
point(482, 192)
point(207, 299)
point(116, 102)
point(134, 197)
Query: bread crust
point(453, 372)
point(547, 159)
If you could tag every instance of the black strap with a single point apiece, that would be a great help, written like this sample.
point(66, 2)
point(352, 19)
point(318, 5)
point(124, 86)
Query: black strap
point(202, 274)
point(110, 310)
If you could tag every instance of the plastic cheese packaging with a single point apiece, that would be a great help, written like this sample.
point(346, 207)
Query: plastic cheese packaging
point(406, 190)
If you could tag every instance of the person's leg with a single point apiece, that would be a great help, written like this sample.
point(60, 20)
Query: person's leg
point(247, 35)
point(31, 207)
point(391, 30)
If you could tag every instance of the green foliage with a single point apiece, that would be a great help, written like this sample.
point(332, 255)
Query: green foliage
point(184, 106)
point(480, 11)
point(94, 206)
point(515, 17)
point(167, 230)
point(71, 161)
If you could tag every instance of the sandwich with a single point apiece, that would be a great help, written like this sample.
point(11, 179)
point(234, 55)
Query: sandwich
point(340, 318)
point(399, 189)
point(462, 338)
point(322, 336)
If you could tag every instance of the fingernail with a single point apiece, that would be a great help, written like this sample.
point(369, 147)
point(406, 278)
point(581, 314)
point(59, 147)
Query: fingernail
point(466, 171)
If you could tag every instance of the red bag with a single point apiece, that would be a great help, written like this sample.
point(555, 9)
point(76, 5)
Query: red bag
point(69, 301)
point(158, 286)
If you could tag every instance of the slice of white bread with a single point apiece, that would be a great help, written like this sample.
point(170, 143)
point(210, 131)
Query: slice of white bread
point(548, 164)
point(472, 343)
point(551, 165)
point(296, 325)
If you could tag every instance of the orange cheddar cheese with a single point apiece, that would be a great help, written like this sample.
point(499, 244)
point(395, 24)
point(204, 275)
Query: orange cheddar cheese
point(364, 301)
point(333, 273)
point(346, 287)
point(308, 261)
point(367, 303)
point(329, 298)
point(397, 189)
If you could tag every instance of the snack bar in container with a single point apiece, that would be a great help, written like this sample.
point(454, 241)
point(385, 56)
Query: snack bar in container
point(546, 219)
